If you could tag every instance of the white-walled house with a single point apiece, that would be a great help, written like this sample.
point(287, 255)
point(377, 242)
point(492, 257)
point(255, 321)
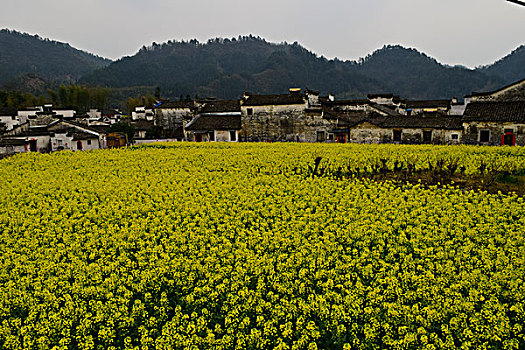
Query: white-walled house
point(8, 119)
point(142, 113)
point(74, 136)
point(36, 138)
point(10, 147)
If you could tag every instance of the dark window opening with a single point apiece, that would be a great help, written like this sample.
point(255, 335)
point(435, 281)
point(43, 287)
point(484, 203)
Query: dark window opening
point(455, 137)
point(321, 136)
point(249, 111)
point(427, 136)
point(89, 142)
point(33, 146)
point(397, 135)
point(484, 136)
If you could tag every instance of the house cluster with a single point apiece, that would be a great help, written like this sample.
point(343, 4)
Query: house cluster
point(492, 118)
point(48, 129)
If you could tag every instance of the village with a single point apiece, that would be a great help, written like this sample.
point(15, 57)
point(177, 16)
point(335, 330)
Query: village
point(492, 118)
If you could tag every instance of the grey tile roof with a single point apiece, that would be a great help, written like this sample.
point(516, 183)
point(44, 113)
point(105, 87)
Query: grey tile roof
point(273, 100)
point(209, 122)
point(510, 111)
point(219, 106)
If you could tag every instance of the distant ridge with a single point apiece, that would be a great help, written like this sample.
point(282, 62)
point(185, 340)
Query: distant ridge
point(22, 54)
point(224, 68)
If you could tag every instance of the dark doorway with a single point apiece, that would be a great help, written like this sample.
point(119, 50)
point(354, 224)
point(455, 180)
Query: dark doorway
point(427, 136)
point(341, 138)
point(509, 139)
point(79, 145)
point(198, 138)
point(397, 135)
point(32, 146)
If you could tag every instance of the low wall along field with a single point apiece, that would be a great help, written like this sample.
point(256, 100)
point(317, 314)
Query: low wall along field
point(263, 246)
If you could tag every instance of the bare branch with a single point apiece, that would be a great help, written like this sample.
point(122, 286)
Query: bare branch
point(517, 2)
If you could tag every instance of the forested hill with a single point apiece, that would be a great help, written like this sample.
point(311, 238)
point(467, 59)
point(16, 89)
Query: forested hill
point(510, 68)
point(225, 67)
point(55, 62)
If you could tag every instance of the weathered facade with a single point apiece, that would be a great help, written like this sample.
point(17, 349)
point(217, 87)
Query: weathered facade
point(216, 120)
point(495, 123)
point(8, 119)
point(174, 115)
point(288, 117)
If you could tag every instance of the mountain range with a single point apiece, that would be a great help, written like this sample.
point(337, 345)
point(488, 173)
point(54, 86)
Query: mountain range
point(224, 68)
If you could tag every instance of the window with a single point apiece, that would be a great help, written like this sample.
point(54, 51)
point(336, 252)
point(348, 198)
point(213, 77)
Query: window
point(454, 136)
point(397, 135)
point(89, 142)
point(233, 135)
point(321, 136)
point(59, 142)
point(484, 135)
point(427, 136)
point(249, 111)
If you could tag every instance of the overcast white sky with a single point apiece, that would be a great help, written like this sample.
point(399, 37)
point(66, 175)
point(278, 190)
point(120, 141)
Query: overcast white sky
point(466, 32)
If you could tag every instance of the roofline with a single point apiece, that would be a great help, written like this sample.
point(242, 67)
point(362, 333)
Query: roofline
point(475, 94)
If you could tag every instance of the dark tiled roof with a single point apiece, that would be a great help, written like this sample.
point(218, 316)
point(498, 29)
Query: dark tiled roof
point(513, 111)
point(219, 106)
point(71, 123)
point(12, 142)
point(427, 103)
point(386, 109)
point(8, 111)
point(142, 125)
point(273, 100)
point(208, 122)
point(83, 136)
point(33, 131)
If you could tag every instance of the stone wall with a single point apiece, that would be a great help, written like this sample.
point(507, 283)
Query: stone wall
point(369, 133)
point(473, 131)
point(281, 123)
point(171, 118)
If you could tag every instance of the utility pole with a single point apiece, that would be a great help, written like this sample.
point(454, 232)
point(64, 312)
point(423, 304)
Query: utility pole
point(517, 2)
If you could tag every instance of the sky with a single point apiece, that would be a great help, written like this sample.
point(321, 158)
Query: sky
point(464, 32)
